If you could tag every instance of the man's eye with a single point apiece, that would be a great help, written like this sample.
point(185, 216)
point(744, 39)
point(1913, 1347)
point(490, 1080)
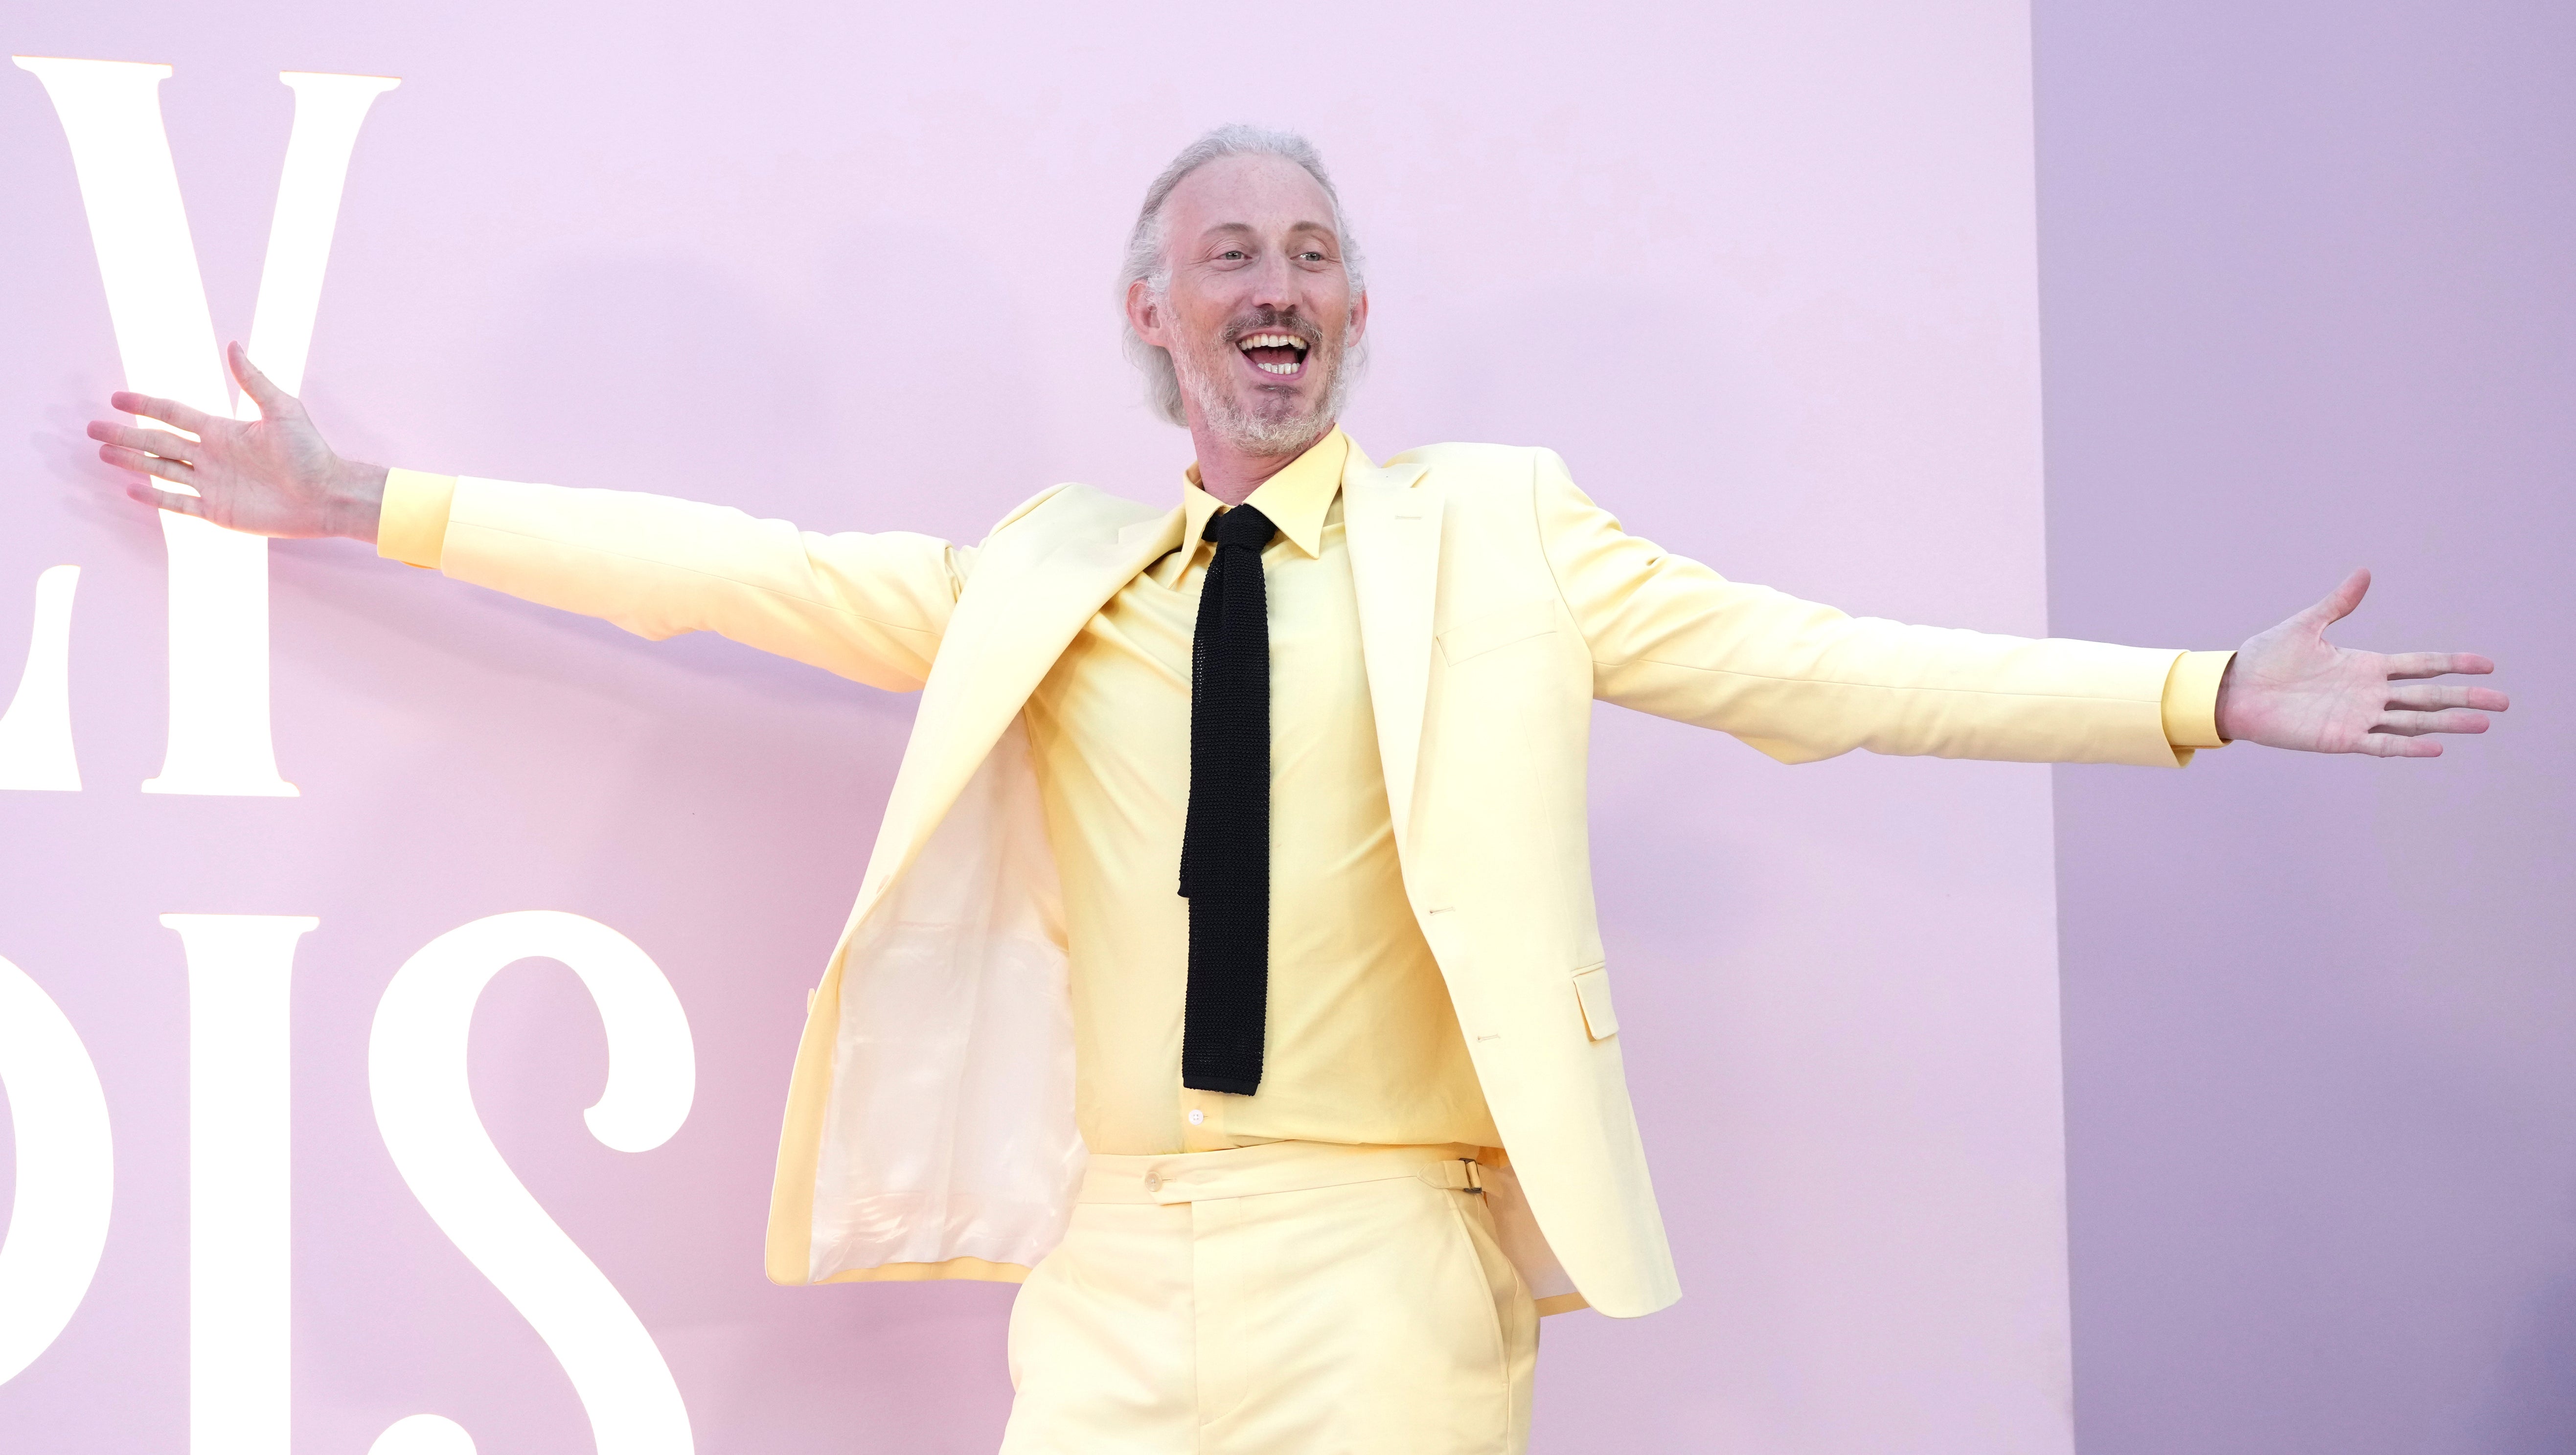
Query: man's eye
point(1231, 253)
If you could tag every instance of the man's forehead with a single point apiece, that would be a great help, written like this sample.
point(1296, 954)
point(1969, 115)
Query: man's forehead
point(1258, 192)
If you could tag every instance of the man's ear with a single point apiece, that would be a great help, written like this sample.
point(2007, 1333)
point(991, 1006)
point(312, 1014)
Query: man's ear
point(1145, 314)
point(1359, 322)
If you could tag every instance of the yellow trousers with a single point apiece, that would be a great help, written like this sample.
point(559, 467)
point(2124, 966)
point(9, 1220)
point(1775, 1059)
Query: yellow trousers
point(1287, 1299)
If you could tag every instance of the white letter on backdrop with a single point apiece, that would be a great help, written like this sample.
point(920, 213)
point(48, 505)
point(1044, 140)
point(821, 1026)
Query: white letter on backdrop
point(416, 1072)
point(111, 112)
point(66, 1171)
point(36, 733)
point(423, 1435)
point(240, 1253)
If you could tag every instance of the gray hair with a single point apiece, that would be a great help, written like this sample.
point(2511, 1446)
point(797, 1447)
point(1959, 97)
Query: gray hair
point(1148, 246)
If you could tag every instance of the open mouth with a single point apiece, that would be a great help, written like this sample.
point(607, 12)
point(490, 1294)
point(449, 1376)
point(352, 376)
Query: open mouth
point(1275, 353)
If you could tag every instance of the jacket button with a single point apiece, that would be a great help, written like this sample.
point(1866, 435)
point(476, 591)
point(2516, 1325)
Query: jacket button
point(1153, 1183)
point(1197, 1117)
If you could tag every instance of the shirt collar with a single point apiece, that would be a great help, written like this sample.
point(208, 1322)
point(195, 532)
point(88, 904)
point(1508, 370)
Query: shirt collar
point(1296, 499)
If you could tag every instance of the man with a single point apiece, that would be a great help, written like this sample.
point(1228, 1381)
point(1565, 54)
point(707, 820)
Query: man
point(1291, 1160)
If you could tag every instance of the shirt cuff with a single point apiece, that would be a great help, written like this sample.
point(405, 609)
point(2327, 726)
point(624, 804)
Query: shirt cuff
point(412, 527)
point(2191, 700)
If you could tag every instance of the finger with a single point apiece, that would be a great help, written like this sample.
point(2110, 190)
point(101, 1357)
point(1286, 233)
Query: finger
point(2416, 724)
point(2438, 664)
point(2391, 745)
point(168, 411)
point(2339, 602)
point(2433, 698)
point(140, 463)
point(169, 500)
point(158, 442)
point(254, 383)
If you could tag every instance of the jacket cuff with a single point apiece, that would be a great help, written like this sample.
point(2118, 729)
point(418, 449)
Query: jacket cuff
point(2191, 700)
point(413, 526)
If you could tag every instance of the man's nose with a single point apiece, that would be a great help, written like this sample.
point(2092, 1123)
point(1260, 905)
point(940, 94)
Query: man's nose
point(1274, 283)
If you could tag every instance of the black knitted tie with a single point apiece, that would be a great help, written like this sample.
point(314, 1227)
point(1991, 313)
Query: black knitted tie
point(1225, 842)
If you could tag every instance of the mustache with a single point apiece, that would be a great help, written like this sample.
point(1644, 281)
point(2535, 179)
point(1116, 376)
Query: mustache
point(1273, 320)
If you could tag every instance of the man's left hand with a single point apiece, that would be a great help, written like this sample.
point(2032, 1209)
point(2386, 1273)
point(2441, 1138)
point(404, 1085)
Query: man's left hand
point(2291, 688)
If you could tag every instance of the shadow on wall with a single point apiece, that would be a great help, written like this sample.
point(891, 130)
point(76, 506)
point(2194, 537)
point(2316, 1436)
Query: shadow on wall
point(1671, 413)
point(674, 374)
point(738, 389)
point(2530, 1407)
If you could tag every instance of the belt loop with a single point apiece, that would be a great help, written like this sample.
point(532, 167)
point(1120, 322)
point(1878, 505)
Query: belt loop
point(1475, 1177)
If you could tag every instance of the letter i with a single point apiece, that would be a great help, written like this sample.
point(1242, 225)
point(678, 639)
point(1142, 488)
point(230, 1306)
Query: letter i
point(240, 1371)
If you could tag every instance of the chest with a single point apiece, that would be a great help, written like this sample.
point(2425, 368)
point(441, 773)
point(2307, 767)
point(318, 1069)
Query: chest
point(1122, 686)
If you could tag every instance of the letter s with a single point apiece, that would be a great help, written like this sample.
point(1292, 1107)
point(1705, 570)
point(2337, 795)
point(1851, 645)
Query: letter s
point(425, 1109)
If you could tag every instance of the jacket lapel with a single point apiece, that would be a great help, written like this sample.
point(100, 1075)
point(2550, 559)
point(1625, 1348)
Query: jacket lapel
point(1024, 604)
point(1391, 518)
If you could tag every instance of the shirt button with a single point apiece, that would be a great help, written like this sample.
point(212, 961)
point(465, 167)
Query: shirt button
point(1197, 1116)
point(1153, 1183)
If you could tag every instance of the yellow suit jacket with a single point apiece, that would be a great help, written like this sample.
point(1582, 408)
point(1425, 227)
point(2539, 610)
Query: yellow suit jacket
point(929, 1129)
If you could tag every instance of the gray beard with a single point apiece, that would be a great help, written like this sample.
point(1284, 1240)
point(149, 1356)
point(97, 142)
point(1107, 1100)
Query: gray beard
point(1203, 383)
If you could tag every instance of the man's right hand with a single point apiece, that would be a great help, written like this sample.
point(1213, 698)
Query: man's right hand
point(273, 476)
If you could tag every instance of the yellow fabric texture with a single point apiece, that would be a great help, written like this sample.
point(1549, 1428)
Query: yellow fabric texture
point(1275, 1300)
point(1496, 603)
point(980, 1269)
point(2191, 699)
point(1362, 1046)
point(411, 524)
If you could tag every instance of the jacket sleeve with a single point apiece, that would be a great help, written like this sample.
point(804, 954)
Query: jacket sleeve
point(1801, 682)
point(870, 607)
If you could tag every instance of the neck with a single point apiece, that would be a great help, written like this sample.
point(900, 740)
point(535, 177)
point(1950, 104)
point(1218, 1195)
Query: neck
point(1229, 471)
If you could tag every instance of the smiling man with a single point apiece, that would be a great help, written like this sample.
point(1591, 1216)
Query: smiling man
point(1293, 1159)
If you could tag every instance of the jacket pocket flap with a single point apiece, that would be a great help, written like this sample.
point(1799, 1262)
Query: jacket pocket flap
point(1592, 992)
point(1515, 623)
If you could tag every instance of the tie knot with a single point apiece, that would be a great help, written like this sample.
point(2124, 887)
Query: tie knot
point(1241, 526)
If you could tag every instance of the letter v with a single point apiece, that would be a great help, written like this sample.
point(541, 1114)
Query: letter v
point(111, 112)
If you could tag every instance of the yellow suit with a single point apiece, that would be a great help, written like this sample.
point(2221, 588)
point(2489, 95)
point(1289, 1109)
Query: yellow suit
point(929, 1129)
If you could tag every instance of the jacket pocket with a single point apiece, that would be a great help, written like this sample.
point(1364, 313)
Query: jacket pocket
point(1515, 623)
point(1592, 992)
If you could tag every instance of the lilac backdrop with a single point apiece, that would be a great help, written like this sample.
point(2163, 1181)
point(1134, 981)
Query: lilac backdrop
point(1767, 278)
point(2309, 305)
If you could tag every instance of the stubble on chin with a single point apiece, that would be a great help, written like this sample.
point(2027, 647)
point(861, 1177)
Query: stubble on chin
point(1286, 425)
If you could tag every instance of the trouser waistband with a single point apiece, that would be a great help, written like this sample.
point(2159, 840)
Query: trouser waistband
point(1272, 1167)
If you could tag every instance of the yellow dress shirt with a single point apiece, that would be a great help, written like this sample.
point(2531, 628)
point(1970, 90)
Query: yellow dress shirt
point(1364, 1046)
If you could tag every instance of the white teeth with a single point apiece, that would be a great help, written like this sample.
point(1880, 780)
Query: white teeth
point(1277, 368)
point(1273, 341)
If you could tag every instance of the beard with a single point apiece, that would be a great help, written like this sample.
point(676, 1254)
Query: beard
point(1255, 420)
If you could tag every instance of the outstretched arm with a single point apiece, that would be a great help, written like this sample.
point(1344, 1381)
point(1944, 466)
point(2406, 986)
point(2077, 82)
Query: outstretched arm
point(869, 606)
point(1801, 681)
point(2291, 688)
